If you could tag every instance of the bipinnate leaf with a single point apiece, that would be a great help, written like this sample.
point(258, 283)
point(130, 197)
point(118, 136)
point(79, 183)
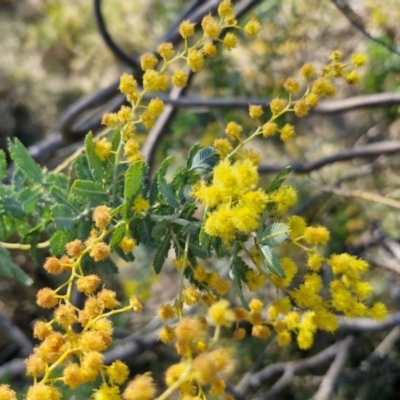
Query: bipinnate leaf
point(62, 197)
point(29, 198)
point(9, 269)
point(116, 236)
point(270, 261)
point(89, 190)
point(275, 234)
point(205, 159)
point(167, 192)
point(154, 188)
point(25, 162)
point(58, 242)
point(278, 180)
point(162, 253)
point(3, 165)
point(237, 273)
point(95, 164)
point(63, 218)
point(133, 179)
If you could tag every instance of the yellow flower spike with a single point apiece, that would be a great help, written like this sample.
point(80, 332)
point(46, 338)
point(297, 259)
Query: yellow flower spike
point(223, 147)
point(42, 391)
point(359, 59)
point(278, 105)
point(314, 262)
point(210, 50)
point(75, 248)
point(239, 334)
point(225, 9)
point(287, 132)
point(210, 27)
point(308, 71)
point(252, 28)
point(110, 120)
point(255, 111)
point(269, 129)
point(148, 61)
point(118, 372)
point(254, 280)
point(100, 251)
point(261, 331)
point(142, 387)
point(301, 108)
point(189, 329)
point(140, 205)
point(292, 85)
point(53, 266)
point(230, 41)
point(218, 387)
point(256, 305)
point(135, 304)
point(127, 84)
point(127, 244)
point(180, 78)
point(106, 392)
point(103, 148)
point(6, 393)
point(167, 334)
point(195, 60)
point(353, 77)
point(378, 311)
point(155, 107)
point(186, 29)
point(284, 198)
point(154, 80)
point(166, 50)
point(46, 298)
point(35, 366)
point(221, 314)
point(101, 216)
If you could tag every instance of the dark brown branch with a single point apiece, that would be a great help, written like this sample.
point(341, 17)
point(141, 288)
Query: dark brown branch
point(328, 383)
point(369, 150)
point(354, 19)
point(117, 51)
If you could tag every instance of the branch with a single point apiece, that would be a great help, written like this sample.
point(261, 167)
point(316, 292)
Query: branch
point(324, 107)
point(369, 150)
point(359, 325)
point(347, 11)
point(117, 51)
point(289, 369)
point(327, 386)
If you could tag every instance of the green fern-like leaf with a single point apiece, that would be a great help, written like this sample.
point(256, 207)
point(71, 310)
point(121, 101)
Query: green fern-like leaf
point(270, 261)
point(62, 217)
point(162, 171)
point(25, 162)
point(58, 242)
point(81, 166)
point(61, 196)
point(205, 159)
point(275, 234)
point(161, 253)
point(29, 197)
point(133, 179)
point(116, 236)
point(278, 180)
point(3, 165)
point(168, 194)
point(92, 191)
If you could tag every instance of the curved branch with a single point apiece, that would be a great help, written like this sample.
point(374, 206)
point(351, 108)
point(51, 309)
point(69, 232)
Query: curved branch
point(347, 11)
point(118, 52)
point(369, 150)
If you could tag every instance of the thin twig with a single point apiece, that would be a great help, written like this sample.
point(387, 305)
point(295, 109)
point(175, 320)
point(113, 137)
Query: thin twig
point(358, 325)
point(369, 150)
point(328, 383)
point(354, 19)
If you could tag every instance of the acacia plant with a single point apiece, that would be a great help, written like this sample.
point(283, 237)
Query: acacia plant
point(103, 201)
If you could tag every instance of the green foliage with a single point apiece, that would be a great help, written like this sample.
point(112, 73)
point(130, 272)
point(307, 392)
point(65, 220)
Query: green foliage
point(9, 269)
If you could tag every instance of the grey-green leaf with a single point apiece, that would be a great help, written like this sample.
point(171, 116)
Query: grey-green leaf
point(205, 159)
point(275, 234)
point(278, 180)
point(3, 165)
point(58, 242)
point(270, 261)
point(167, 192)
